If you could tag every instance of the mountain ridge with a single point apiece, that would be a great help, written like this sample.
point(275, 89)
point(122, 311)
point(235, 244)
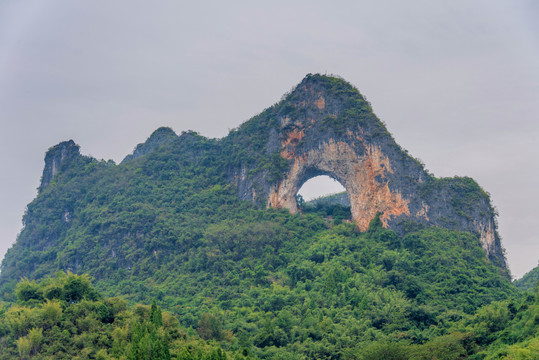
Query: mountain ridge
point(326, 127)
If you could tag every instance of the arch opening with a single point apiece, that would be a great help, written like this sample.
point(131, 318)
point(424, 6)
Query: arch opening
point(325, 196)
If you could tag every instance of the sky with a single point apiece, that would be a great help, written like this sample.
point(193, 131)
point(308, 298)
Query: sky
point(456, 83)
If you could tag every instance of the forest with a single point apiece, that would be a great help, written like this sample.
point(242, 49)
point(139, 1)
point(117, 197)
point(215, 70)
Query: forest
point(324, 306)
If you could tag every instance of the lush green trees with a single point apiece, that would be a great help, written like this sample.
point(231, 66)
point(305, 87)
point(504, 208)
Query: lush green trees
point(260, 282)
point(77, 323)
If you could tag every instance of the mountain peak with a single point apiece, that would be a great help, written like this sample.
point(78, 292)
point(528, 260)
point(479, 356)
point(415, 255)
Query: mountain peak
point(56, 157)
point(333, 103)
point(326, 127)
point(330, 85)
point(159, 137)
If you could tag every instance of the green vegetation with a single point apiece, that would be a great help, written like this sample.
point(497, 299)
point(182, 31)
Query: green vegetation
point(168, 228)
point(65, 318)
point(465, 192)
point(334, 208)
point(358, 109)
point(529, 281)
point(273, 284)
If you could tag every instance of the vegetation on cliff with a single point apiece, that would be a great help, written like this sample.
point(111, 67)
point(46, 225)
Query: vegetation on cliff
point(276, 284)
point(168, 225)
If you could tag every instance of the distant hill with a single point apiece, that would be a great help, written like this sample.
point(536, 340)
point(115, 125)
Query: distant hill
point(334, 199)
point(529, 281)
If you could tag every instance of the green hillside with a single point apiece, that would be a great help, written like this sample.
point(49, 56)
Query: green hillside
point(284, 285)
point(529, 281)
point(168, 225)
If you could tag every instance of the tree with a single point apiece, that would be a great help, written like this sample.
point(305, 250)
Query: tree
point(156, 317)
point(27, 290)
point(209, 327)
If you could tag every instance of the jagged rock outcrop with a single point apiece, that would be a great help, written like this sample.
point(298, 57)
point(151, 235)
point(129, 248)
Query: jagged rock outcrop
point(159, 137)
point(326, 127)
point(57, 157)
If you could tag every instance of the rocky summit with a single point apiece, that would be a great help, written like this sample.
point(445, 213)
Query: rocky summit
point(326, 127)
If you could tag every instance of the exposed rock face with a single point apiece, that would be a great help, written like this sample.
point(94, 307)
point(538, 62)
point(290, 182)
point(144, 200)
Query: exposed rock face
point(326, 127)
point(57, 157)
point(357, 171)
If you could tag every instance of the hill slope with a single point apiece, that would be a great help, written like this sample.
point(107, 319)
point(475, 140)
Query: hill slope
point(184, 220)
point(529, 281)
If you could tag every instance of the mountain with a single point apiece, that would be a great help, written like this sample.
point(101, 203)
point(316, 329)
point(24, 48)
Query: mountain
point(159, 137)
point(334, 199)
point(210, 228)
point(326, 127)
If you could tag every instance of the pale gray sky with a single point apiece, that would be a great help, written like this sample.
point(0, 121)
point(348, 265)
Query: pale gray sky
point(456, 82)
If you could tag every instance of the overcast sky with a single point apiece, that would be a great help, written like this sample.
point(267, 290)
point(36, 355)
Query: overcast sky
point(456, 82)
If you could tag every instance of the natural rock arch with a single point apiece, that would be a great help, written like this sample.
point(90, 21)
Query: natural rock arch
point(326, 127)
point(357, 173)
point(290, 192)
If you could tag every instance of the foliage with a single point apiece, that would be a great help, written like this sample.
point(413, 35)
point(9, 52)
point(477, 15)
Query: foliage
point(358, 111)
point(93, 327)
point(529, 281)
point(265, 282)
point(465, 193)
point(330, 207)
point(279, 285)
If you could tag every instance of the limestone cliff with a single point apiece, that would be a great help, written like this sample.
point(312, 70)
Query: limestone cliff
point(326, 127)
point(57, 157)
